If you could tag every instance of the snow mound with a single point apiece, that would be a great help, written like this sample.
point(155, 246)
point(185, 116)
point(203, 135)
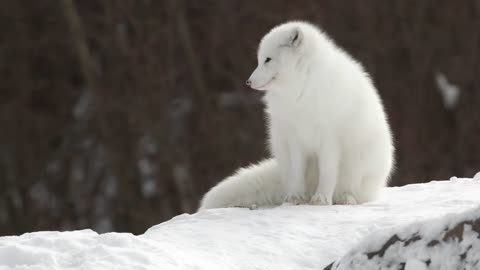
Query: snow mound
point(285, 237)
point(450, 242)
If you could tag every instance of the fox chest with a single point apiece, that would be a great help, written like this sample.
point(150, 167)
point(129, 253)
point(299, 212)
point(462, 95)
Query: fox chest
point(297, 127)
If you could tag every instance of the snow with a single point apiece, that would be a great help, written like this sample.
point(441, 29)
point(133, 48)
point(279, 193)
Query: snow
point(449, 242)
point(414, 264)
point(448, 91)
point(286, 237)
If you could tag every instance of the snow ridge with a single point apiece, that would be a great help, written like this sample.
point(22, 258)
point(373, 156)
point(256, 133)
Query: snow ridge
point(285, 237)
point(450, 242)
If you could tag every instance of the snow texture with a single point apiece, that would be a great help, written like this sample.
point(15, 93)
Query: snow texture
point(285, 237)
point(450, 242)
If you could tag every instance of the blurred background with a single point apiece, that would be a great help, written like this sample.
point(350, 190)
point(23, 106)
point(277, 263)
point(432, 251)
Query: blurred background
point(118, 115)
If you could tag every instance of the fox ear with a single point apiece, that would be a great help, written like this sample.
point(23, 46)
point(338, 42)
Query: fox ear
point(295, 38)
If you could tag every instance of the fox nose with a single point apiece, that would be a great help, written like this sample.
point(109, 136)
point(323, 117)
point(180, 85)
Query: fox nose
point(248, 82)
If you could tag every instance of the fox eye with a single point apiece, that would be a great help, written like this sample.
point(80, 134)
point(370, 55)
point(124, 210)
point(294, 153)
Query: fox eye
point(268, 59)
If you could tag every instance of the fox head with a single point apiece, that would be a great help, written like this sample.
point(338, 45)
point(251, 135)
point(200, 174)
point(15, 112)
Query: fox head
point(278, 55)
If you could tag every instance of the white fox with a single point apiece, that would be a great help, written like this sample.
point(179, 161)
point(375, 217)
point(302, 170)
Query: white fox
point(329, 135)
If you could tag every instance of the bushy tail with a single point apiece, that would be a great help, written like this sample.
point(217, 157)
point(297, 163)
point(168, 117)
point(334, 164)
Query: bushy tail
point(256, 185)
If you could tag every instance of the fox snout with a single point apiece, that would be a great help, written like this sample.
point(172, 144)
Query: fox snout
point(258, 81)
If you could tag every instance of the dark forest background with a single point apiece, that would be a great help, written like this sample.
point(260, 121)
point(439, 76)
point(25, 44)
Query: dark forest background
point(118, 115)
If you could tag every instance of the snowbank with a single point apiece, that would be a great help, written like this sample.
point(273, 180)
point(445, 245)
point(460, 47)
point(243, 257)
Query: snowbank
point(286, 237)
point(450, 242)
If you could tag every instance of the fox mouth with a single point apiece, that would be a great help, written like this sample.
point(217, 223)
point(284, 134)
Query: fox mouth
point(262, 87)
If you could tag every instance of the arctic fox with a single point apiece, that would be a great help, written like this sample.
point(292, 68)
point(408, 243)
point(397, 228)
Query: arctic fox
point(328, 131)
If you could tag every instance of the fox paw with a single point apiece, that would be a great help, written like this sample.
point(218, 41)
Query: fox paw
point(346, 198)
point(295, 199)
point(320, 199)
